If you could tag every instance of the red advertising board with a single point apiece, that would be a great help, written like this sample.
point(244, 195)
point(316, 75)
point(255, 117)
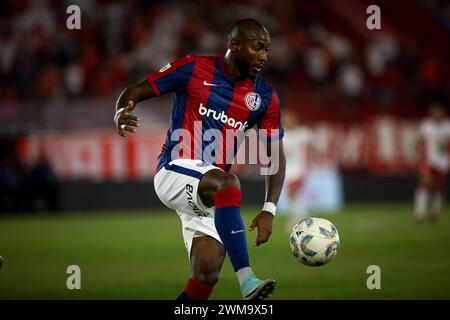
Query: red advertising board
point(383, 145)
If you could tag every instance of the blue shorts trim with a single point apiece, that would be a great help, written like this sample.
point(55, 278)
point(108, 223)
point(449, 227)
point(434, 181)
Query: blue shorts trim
point(185, 171)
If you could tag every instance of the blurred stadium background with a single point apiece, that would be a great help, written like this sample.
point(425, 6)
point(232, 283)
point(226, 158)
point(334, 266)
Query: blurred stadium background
point(362, 92)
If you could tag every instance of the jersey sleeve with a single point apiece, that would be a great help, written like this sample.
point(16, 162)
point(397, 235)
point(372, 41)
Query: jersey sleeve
point(271, 121)
point(173, 76)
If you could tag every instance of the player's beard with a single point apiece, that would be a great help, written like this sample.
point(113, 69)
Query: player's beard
point(244, 68)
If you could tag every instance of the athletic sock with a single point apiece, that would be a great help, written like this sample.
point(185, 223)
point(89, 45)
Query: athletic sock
point(195, 290)
point(243, 273)
point(231, 229)
point(421, 201)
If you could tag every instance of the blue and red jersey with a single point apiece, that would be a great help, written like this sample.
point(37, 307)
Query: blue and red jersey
point(206, 97)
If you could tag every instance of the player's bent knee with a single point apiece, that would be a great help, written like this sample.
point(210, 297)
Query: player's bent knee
point(214, 181)
point(228, 180)
point(229, 192)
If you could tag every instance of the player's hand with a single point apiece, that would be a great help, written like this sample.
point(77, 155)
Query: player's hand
point(263, 222)
point(125, 121)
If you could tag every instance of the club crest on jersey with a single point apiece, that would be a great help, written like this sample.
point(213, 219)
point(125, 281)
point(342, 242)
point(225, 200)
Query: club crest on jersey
point(252, 101)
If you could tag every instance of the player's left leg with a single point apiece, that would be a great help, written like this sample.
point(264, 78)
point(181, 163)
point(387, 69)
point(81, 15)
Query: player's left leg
point(222, 190)
point(297, 209)
point(438, 197)
point(422, 196)
point(206, 257)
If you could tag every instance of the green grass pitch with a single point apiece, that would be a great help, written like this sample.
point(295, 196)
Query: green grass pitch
point(140, 255)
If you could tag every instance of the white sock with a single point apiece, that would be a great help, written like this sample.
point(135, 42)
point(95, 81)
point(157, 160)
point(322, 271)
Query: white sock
point(243, 273)
point(421, 201)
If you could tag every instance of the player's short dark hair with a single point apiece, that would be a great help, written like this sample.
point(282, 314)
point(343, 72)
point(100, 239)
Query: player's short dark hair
point(233, 30)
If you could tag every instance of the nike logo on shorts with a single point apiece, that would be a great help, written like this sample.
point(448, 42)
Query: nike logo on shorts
point(209, 84)
point(234, 232)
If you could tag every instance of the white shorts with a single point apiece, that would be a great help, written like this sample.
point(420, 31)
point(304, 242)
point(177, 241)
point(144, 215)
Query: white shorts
point(176, 185)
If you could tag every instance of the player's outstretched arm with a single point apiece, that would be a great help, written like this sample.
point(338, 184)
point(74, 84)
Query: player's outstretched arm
point(124, 119)
point(274, 185)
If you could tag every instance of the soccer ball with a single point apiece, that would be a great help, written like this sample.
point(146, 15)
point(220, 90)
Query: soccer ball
point(314, 241)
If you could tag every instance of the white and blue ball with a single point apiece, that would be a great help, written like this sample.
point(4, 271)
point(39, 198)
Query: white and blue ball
point(314, 241)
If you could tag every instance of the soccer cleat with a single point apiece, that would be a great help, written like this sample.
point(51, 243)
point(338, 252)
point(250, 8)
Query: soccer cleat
point(254, 289)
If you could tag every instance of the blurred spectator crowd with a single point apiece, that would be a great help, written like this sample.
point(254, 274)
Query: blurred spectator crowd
point(26, 189)
point(321, 65)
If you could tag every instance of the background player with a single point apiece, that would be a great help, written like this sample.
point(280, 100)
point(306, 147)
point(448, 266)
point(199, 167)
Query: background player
point(222, 93)
point(433, 164)
point(298, 149)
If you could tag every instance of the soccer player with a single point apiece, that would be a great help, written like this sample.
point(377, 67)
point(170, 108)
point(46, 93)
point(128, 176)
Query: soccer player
point(433, 163)
point(222, 93)
point(298, 145)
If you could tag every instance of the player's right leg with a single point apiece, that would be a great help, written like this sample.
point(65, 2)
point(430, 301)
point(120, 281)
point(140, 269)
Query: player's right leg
point(206, 257)
point(422, 196)
point(222, 190)
point(176, 185)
